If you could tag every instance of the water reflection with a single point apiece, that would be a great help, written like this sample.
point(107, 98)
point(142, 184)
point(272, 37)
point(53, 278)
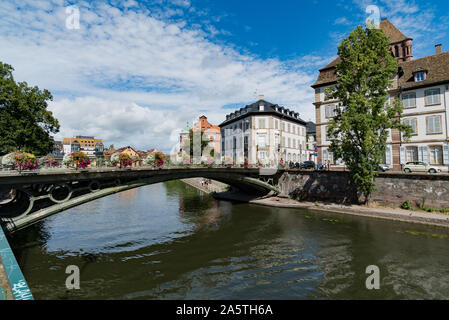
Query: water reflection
point(169, 241)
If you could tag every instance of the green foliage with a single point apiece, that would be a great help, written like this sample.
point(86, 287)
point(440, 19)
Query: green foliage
point(407, 205)
point(204, 143)
point(359, 130)
point(25, 122)
point(431, 209)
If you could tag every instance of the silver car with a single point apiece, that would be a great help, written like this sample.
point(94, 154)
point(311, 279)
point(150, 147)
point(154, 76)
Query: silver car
point(419, 166)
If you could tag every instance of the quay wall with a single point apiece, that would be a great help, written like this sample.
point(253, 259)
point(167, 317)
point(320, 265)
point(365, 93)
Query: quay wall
point(391, 188)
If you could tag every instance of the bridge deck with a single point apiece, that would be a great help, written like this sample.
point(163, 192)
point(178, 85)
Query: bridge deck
point(62, 174)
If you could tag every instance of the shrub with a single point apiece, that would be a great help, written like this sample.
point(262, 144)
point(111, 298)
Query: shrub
point(25, 161)
point(407, 205)
point(125, 160)
point(154, 159)
point(80, 159)
point(159, 159)
point(48, 161)
point(246, 162)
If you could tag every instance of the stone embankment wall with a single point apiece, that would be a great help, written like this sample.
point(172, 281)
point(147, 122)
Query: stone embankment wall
point(391, 188)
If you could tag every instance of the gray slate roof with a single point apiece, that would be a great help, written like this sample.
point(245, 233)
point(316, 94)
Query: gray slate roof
point(269, 109)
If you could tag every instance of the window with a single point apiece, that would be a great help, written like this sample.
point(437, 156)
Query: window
point(436, 154)
point(420, 76)
point(434, 125)
point(412, 154)
point(330, 111)
point(276, 124)
point(246, 125)
point(283, 126)
point(261, 141)
point(288, 127)
point(262, 124)
point(409, 100)
point(283, 141)
point(432, 97)
point(412, 123)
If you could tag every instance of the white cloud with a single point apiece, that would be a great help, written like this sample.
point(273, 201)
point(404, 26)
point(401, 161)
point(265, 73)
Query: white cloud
point(131, 77)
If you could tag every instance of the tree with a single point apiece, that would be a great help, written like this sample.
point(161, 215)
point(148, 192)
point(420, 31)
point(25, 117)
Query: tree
point(25, 122)
point(196, 137)
point(360, 128)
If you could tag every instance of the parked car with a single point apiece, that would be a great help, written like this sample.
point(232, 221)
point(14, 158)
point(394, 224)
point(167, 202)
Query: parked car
point(307, 165)
point(384, 168)
point(419, 166)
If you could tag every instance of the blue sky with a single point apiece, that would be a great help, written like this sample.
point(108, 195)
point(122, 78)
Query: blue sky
point(136, 71)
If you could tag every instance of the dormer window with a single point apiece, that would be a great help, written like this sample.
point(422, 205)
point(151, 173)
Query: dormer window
point(261, 107)
point(420, 76)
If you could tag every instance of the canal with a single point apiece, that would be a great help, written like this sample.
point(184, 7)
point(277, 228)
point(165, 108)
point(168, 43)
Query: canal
point(170, 241)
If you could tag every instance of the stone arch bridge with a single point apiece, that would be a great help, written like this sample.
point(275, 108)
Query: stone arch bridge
point(33, 196)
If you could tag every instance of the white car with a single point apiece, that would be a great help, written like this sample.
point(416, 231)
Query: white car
point(419, 166)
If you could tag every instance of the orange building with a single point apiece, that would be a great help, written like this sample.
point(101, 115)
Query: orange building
point(212, 132)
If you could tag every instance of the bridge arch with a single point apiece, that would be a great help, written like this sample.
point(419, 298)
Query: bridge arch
point(40, 195)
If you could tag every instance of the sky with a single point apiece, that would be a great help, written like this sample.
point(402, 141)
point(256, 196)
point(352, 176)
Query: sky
point(136, 72)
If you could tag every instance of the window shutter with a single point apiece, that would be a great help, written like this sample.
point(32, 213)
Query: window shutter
point(402, 155)
point(445, 154)
point(388, 155)
point(420, 153)
point(425, 154)
point(437, 124)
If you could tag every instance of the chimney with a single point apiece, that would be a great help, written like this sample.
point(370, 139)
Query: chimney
point(438, 48)
point(261, 96)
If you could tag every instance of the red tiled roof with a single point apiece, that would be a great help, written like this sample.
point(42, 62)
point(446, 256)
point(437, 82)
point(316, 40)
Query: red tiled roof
point(328, 75)
point(437, 67)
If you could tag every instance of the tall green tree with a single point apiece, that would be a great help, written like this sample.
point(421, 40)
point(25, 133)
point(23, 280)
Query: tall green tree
point(25, 122)
point(360, 128)
point(199, 138)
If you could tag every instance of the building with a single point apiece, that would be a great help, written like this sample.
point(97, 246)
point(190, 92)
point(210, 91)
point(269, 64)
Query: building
point(211, 132)
point(263, 133)
point(89, 145)
point(183, 140)
point(423, 86)
point(58, 150)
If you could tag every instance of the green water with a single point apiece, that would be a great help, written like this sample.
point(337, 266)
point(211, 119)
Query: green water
point(170, 241)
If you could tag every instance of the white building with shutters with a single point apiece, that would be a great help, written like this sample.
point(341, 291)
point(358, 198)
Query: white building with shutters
point(426, 111)
point(264, 133)
point(423, 86)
